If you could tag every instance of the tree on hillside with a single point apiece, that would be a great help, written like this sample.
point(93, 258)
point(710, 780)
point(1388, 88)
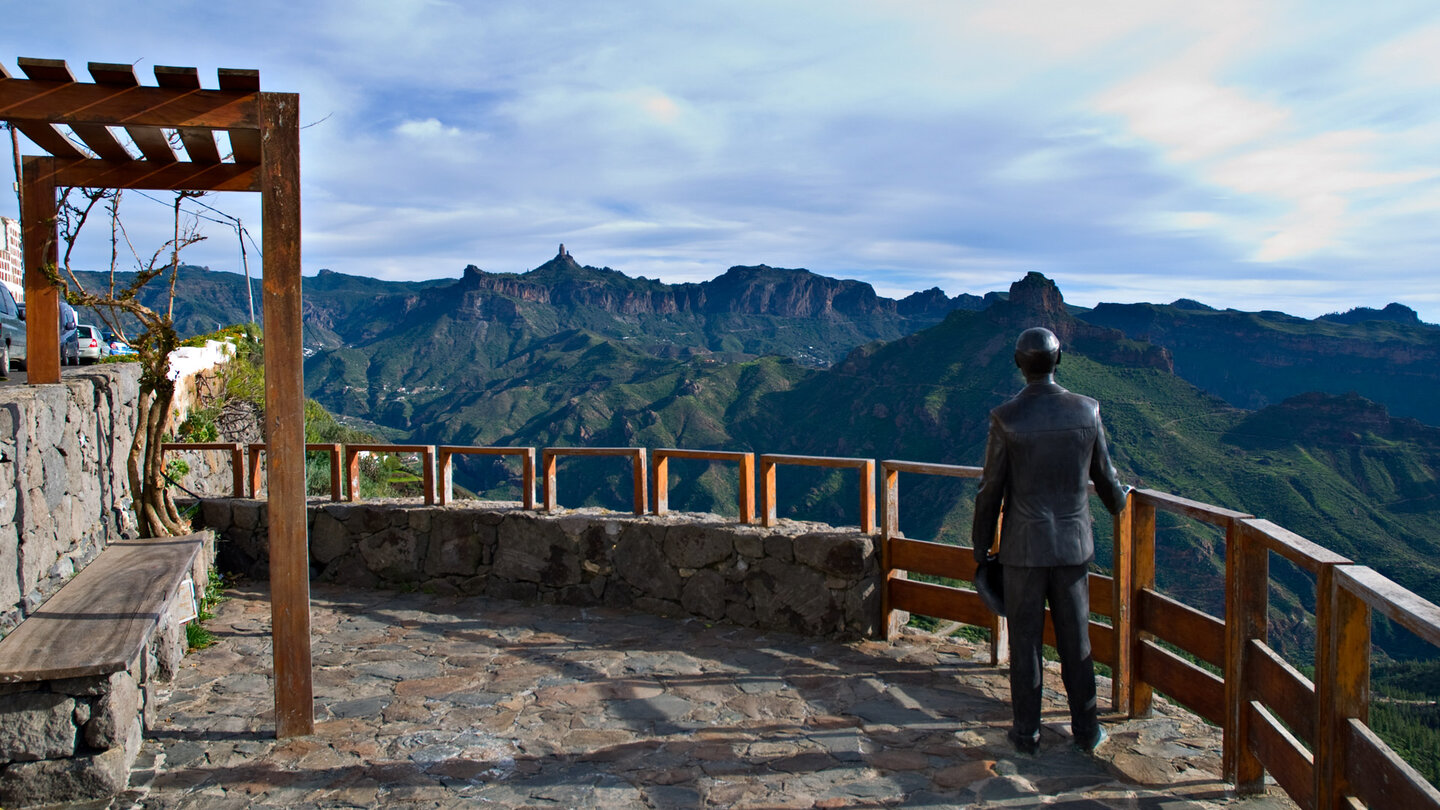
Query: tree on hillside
point(154, 508)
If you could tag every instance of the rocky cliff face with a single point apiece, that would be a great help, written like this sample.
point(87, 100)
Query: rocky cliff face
point(752, 290)
point(1036, 301)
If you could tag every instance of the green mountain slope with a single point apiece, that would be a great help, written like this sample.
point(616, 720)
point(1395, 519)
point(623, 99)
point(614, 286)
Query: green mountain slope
point(1254, 359)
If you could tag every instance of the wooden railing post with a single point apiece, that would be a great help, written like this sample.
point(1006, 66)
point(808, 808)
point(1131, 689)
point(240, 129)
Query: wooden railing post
point(352, 474)
point(1123, 597)
point(445, 476)
point(889, 526)
point(527, 478)
point(662, 483)
point(638, 467)
point(767, 492)
point(257, 481)
point(336, 477)
point(427, 475)
point(1247, 574)
point(747, 488)
point(1342, 682)
point(547, 477)
point(867, 497)
point(1141, 577)
point(237, 470)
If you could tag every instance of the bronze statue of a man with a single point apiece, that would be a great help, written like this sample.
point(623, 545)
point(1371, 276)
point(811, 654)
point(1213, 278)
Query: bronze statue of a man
point(1045, 444)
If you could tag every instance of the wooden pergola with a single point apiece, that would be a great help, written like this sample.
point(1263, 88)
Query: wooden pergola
point(264, 139)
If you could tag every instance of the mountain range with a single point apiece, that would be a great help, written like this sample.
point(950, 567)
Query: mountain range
point(1325, 426)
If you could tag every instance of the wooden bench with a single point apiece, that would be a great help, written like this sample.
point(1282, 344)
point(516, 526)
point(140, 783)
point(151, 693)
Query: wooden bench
point(100, 621)
point(76, 675)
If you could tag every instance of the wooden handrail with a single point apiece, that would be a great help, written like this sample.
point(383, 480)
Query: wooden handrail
point(1204, 512)
point(237, 459)
point(866, 466)
point(427, 464)
point(637, 460)
point(333, 450)
point(1310, 556)
point(746, 486)
point(527, 469)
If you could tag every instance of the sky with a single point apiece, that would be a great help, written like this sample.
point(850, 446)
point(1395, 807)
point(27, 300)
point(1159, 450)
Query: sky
point(1246, 154)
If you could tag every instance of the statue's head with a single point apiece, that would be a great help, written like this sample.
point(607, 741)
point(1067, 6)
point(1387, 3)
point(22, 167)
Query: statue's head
point(1037, 352)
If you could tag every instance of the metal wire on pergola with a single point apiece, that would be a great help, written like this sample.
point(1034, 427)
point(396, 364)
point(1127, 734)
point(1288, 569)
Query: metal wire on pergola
point(264, 138)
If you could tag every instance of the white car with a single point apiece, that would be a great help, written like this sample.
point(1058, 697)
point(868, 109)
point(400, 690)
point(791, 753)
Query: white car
point(92, 348)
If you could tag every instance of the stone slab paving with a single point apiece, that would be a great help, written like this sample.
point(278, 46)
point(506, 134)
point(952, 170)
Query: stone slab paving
point(439, 702)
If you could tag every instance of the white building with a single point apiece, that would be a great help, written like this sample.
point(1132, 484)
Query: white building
point(12, 261)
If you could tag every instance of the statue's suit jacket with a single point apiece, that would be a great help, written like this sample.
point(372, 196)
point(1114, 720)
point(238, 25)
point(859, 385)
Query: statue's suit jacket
point(1044, 444)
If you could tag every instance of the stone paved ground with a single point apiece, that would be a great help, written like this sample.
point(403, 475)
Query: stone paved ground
point(427, 701)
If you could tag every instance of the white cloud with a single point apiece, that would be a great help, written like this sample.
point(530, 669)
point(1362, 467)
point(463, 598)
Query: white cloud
point(1412, 58)
point(1192, 120)
point(428, 129)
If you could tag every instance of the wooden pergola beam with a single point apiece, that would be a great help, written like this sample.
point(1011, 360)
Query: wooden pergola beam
point(150, 140)
point(29, 101)
point(178, 176)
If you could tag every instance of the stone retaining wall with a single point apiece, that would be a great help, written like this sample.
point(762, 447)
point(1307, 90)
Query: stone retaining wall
point(802, 577)
point(64, 494)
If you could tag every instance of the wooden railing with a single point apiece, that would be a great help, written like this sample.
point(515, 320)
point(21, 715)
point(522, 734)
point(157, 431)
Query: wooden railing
point(237, 463)
point(257, 478)
point(1312, 737)
point(661, 476)
point(527, 470)
point(866, 466)
point(352, 466)
point(637, 460)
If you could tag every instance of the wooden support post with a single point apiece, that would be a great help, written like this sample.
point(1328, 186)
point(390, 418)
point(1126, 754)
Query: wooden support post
point(662, 483)
point(747, 488)
point(285, 414)
point(1122, 621)
point(1342, 682)
point(1247, 574)
point(867, 497)
point(767, 492)
point(40, 245)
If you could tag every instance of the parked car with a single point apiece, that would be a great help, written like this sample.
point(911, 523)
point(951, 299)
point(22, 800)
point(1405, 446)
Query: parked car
point(118, 347)
point(69, 335)
point(91, 348)
point(12, 333)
